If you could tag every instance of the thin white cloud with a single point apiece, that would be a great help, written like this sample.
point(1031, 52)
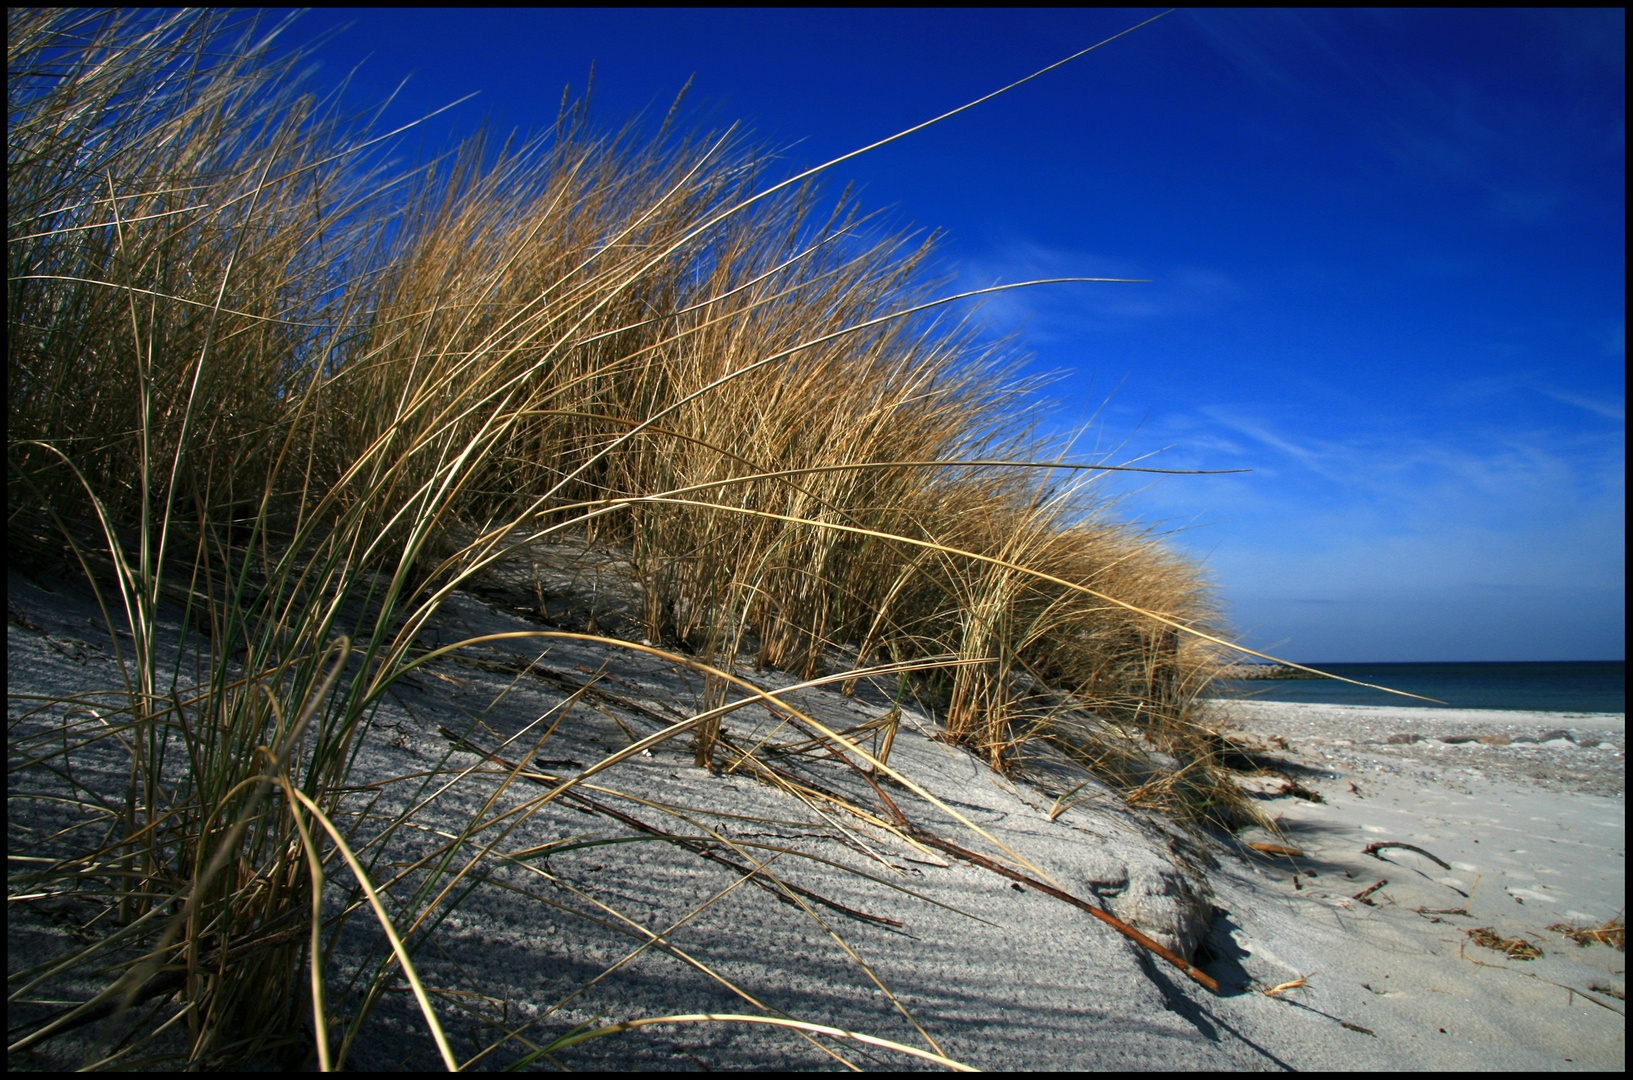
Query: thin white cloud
point(1139, 296)
point(1611, 410)
point(1311, 459)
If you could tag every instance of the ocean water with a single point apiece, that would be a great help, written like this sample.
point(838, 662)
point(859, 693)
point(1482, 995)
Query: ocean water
point(1596, 686)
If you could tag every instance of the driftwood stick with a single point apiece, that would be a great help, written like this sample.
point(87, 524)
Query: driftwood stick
point(931, 840)
point(1274, 849)
point(697, 846)
point(1365, 894)
point(911, 830)
point(1104, 916)
point(1373, 849)
point(704, 848)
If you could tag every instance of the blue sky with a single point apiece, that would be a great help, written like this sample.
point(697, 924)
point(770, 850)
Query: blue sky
point(1384, 252)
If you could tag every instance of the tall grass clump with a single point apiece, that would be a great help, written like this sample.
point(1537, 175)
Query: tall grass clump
point(257, 376)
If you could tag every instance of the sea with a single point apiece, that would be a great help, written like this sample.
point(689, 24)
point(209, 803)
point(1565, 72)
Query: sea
point(1564, 686)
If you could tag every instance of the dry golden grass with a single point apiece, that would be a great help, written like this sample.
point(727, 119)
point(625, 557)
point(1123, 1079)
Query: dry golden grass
point(231, 387)
point(1612, 932)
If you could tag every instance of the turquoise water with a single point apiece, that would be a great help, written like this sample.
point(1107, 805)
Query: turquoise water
point(1597, 686)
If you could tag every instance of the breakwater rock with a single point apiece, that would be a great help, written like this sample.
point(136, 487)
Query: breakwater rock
point(1265, 671)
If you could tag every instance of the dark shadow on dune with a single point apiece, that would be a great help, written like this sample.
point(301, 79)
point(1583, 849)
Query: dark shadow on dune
point(1217, 955)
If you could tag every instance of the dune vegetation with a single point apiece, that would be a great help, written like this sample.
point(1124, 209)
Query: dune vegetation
point(260, 375)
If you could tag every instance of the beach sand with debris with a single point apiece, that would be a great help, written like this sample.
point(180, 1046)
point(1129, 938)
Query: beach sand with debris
point(1338, 957)
point(1447, 863)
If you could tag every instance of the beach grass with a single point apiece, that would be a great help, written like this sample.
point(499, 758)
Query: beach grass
point(258, 375)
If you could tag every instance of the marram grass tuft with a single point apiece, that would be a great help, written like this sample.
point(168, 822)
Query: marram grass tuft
point(258, 377)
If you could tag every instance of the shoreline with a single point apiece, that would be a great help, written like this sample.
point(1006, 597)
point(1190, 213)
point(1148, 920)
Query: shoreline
point(1426, 712)
point(1365, 721)
point(1562, 752)
point(1251, 697)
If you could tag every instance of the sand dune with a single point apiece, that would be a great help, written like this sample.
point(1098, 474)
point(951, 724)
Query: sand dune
point(993, 973)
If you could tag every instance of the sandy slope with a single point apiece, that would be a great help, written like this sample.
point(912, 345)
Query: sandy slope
point(997, 975)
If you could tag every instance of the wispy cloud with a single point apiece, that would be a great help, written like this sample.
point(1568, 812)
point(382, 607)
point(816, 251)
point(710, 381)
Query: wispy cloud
point(1144, 294)
point(1610, 410)
point(1311, 459)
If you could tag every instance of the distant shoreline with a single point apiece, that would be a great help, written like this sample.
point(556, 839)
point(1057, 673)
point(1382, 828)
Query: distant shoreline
point(1266, 671)
point(1527, 686)
point(1568, 752)
point(1314, 712)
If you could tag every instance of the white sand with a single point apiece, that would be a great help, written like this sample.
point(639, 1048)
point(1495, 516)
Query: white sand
point(1522, 858)
point(1001, 977)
